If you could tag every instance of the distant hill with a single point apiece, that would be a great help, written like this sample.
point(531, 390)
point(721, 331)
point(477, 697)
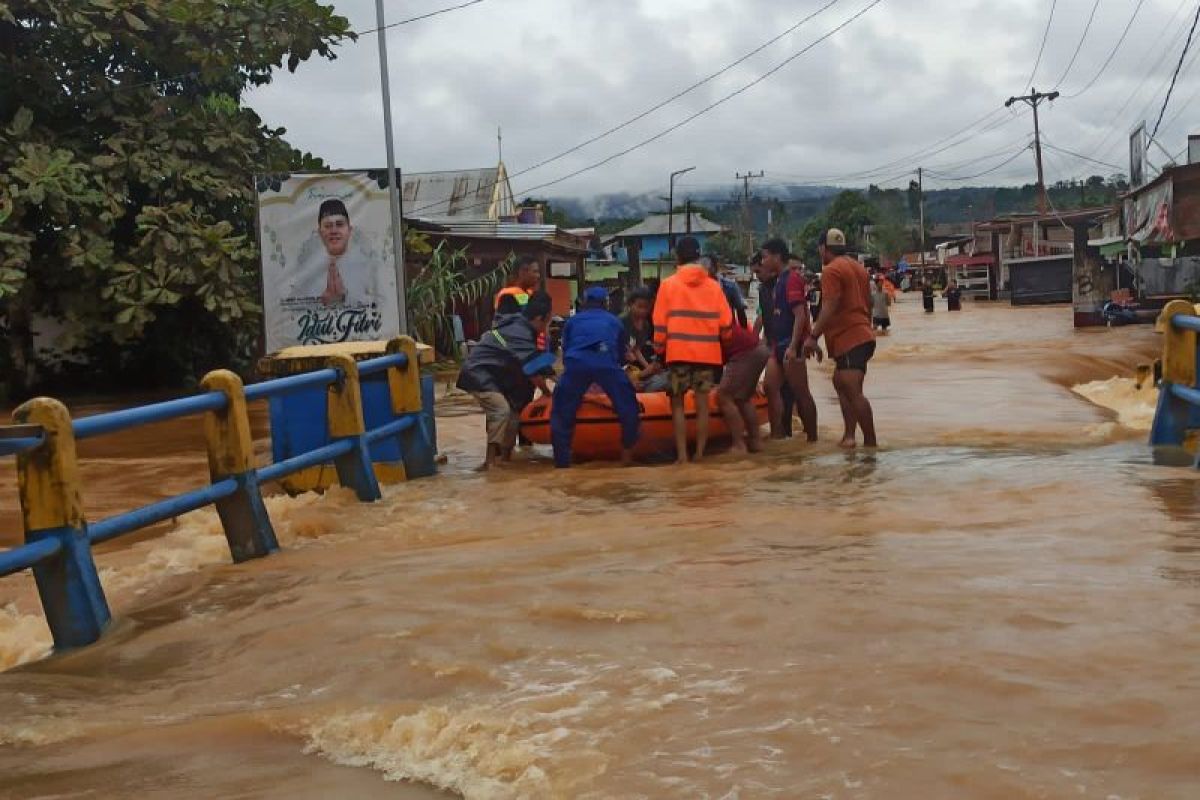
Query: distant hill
point(793, 205)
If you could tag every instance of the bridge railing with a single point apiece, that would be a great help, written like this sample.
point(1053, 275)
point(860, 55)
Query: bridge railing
point(1178, 408)
point(59, 540)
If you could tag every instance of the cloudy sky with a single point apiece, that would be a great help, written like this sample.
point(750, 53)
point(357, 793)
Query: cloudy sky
point(869, 104)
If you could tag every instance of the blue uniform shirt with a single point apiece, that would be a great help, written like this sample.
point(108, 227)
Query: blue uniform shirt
point(595, 337)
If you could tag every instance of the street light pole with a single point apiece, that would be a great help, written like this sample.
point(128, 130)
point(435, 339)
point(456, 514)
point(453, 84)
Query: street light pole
point(671, 209)
point(393, 186)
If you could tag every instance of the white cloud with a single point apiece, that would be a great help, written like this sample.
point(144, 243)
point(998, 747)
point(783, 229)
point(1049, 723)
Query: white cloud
point(556, 72)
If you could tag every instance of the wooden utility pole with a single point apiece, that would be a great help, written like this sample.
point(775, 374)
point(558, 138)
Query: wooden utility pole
point(747, 221)
point(921, 212)
point(1033, 100)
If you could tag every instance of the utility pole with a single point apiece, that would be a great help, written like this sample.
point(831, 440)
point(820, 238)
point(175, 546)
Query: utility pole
point(393, 184)
point(921, 212)
point(1033, 100)
point(671, 209)
point(747, 222)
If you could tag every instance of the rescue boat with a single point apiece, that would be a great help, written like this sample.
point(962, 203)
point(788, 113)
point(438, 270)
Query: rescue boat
point(598, 431)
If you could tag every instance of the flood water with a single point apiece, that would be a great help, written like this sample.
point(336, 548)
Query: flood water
point(1002, 602)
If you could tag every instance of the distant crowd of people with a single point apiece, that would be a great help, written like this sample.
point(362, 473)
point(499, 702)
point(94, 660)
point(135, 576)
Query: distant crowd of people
point(692, 336)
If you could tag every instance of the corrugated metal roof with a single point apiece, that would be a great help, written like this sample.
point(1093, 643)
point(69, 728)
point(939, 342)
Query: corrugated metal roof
point(656, 225)
point(459, 194)
point(492, 229)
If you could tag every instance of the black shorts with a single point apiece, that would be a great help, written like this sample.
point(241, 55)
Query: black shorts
point(856, 358)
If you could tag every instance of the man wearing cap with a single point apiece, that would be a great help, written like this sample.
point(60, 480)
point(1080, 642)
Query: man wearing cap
point(343, 276)
point(845, 322)
point(593, 349)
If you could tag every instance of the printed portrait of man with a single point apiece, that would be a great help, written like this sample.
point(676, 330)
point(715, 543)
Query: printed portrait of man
point(339, 273)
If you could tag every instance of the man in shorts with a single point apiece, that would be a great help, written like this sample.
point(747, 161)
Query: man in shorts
point(745, 358)
point(692, 320)
point(789, 324)
point(503, 370)
point(845, 322)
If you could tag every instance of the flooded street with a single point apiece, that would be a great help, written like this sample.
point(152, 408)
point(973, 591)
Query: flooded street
point(1000, 603)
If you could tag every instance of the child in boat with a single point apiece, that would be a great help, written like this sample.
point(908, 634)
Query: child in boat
point(651, 375)
point(692, 319)
point(503, 369)
point(593, 349)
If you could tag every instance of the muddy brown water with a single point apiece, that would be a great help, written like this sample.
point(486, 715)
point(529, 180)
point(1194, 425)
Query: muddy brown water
point(1000, 603)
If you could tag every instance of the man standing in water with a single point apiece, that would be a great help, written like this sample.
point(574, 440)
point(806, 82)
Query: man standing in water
point(593, 349)
point(881, 317)
point(953, 297)
point(845, 322)
point(788, 325)
point(503, 369)
point(692, 320)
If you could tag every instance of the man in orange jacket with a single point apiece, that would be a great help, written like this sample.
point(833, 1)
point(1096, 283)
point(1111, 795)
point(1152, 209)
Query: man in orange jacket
point(692, 320)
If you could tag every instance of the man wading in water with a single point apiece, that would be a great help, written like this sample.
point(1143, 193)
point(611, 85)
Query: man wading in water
point(845, 322)
point(692, 320)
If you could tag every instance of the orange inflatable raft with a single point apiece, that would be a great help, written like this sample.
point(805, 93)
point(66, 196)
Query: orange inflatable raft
point(598, 431)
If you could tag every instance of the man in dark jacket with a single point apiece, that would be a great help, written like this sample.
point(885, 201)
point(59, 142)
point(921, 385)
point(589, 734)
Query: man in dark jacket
point(593, 349)
point(504, 368)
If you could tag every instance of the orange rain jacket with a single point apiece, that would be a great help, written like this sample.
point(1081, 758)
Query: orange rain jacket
point(692, 318)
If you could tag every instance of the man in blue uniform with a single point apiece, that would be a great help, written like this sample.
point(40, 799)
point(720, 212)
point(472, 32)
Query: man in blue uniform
point(593, 349)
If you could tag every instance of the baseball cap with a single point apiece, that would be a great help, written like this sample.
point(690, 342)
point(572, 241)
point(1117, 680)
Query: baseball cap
point(596, 294)
point(833, 238)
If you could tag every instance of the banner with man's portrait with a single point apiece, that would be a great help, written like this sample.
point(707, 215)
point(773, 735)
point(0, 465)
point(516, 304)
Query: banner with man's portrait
point(328, 265)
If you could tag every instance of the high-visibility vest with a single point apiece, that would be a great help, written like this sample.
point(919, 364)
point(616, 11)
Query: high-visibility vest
point(692, 318)
point(520, 294)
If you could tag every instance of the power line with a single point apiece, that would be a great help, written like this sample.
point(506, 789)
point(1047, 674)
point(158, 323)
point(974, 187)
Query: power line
point(1080, 155)
point(1186, 46)
point(998, 167)
point(1116, 49)
point(439, 12)
point(121, 87)
point(679, 94)
point(1100, 144)
point(1042, 49)
point(671, 129)
point(1079, 46)
point(955, 139)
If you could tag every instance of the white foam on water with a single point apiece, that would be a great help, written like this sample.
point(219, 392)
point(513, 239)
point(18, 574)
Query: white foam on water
point(23, 637)
point(474, 752)
point(1134, 407)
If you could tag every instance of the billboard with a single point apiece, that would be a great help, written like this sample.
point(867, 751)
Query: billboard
point(328, 269)
point(1137, 157)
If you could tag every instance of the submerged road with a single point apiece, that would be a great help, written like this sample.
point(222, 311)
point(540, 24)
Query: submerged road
point(1000, 603)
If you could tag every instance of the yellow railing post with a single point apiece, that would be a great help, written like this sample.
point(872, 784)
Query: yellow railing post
point(1179, 345)
point(345, 421)
point(52, 507)
point(231, 456)
point(405, 387)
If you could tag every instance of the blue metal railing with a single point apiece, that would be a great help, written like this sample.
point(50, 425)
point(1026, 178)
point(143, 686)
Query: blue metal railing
point(60, 551)
point(125, 419)
point(1178, 408)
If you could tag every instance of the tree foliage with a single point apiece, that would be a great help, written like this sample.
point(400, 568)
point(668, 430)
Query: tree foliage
point(440, 284)
point(126, 157)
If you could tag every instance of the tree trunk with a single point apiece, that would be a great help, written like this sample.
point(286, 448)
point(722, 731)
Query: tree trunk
point(21, 375)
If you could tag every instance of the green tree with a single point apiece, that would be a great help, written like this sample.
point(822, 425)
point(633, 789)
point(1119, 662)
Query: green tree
point(851, 212)
point(126, 156)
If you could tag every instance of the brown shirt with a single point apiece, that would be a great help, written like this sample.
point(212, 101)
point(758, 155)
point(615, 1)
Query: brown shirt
point(845, 281)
